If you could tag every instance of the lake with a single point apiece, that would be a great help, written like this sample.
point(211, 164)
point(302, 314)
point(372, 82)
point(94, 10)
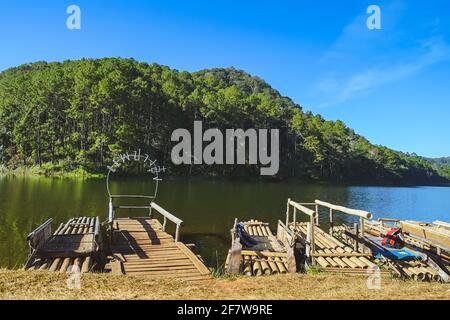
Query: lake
point(208, 208)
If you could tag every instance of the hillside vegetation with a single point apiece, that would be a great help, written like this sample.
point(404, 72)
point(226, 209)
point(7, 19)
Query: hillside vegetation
point(441, 165)
point(76, 115)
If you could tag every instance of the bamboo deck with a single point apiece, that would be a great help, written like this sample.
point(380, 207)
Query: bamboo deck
point(141, 247)
point(413, 269)
point(72, 244)
point(379, 229)
point(267, 257)
point(331, 254)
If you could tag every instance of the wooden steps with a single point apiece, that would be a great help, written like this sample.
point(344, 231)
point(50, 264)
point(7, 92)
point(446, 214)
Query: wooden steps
point(142, 248)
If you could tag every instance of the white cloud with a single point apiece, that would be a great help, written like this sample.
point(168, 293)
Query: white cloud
point(362, 60)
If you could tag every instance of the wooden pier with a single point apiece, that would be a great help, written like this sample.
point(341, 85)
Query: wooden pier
point(142, 246)
point(74, 244)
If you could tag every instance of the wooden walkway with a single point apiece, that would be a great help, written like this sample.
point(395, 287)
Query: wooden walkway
point(141, 247)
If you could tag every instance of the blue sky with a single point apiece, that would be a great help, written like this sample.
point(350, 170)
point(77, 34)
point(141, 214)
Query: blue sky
point(391, 85)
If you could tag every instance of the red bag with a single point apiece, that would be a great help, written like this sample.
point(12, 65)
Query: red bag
point(394, 239)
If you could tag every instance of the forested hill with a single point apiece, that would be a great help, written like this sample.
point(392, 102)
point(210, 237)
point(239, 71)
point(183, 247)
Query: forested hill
point(77, 115)
point(441, 165)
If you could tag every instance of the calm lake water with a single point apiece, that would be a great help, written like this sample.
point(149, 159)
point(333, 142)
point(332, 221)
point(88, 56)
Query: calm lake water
point(208, 208)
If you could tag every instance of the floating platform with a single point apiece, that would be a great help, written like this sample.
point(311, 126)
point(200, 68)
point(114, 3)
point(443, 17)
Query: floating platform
point(434, 234)
point(140, 246)
point(331, 254)
point(255, 251)
point(432, 262)
point(74, 244)
point(430, 242)
point(318, 248)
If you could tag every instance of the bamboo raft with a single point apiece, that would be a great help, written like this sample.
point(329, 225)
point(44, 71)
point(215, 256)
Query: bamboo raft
point(267, 256)
point(426, 266)
point(74, 244)
point(323, 249)
point(141, 246)
point(331, 254)
point(412, 237)
point(435, 235)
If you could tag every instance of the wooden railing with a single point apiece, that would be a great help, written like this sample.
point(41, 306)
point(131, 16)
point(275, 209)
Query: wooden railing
point(312, 214)
point(167, 216)
point(314, 219)
point(37, 238)
point(361, 214)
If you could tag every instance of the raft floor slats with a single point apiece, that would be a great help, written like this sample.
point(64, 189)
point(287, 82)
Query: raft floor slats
point(143, 248)
point(72, 244)
point(331, 254)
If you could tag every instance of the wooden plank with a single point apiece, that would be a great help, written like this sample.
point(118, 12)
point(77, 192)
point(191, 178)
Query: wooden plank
point(340, 255)
point(354, 212)
point(117, 268)
point(150, 251)
point(200, 266)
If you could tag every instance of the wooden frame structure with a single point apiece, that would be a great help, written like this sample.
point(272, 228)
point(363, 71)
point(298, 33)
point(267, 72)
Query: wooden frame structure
point(167, 216)
point(313, 220)
point(322, 248)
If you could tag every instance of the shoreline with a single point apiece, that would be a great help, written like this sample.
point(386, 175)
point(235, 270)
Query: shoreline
point(81, 174)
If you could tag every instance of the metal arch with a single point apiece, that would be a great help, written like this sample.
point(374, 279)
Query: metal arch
point(155, 178)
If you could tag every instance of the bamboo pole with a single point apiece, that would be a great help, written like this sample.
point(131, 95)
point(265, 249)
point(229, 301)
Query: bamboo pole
point(354, 212)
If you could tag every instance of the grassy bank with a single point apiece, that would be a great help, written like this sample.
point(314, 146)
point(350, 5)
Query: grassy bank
point(44, 285)
point(49, 170)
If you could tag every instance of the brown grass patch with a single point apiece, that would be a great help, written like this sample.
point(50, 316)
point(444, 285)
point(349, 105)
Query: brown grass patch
point(42, 285)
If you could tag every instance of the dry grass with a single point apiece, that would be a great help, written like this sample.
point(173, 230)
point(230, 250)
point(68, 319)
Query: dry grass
point(44, 285)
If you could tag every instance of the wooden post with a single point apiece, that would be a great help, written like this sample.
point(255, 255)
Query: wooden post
point(234, 265)
point(356, 244)
point(287, 213)
point(295, 218)
point(291, 263)
point(164, 223)
point(150, 211)
point(111, 210)
point(177, 233)
point(308, 240)
point(317, 214)
point(331, 221)
point(361, 222)
point(111, 221)
point(313, 247)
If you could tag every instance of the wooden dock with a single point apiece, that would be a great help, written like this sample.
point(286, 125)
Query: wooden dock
point(75, 243)
point(141, 246)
